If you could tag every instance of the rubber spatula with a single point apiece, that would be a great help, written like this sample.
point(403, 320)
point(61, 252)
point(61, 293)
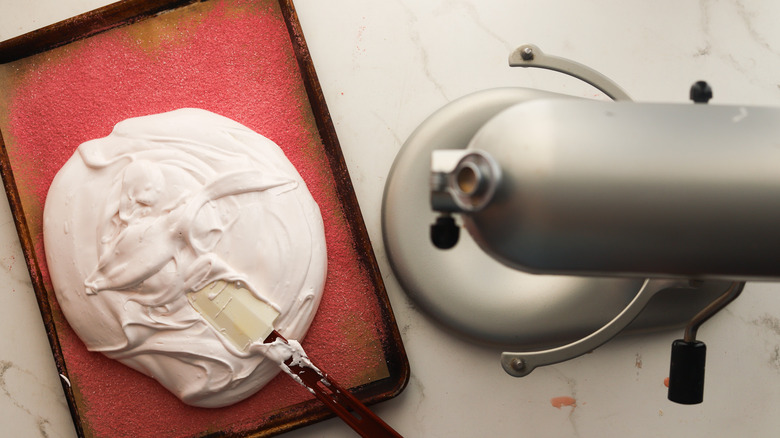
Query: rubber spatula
point(235, 313)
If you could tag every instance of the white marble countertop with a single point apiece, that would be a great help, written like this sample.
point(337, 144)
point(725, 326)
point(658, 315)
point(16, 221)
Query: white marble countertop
point(384, 66)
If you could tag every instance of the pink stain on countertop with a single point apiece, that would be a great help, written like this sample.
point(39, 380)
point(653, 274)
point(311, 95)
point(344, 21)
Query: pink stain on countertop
point(559, 402)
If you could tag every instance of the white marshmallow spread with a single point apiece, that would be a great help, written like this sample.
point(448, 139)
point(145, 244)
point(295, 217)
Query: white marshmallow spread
point(161, 207)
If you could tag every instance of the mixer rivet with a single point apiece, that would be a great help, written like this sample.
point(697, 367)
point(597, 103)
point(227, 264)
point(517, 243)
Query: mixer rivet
point(527, 54)
point(517, 364)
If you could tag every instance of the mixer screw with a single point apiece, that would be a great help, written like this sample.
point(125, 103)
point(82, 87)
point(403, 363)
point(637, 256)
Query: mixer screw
point(527, 54)
point(517, 364)
point(701, 92)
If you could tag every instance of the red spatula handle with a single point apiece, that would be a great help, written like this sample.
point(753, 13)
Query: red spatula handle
point(351, 410)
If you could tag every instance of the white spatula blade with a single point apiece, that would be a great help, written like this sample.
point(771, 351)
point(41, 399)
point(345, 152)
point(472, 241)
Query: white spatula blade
point(235, 312)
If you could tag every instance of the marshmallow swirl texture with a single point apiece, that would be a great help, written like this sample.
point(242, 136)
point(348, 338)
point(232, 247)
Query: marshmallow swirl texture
point(163, 206)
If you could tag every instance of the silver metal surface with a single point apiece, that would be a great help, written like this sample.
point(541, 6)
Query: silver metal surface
point(521, 364)
point(663, 190)
point(530, 55)
point(468, 186)
point(714, 307)
point(472, 294)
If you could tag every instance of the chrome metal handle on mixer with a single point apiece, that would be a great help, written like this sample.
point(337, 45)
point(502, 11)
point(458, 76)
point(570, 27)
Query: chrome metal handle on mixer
point(522, 363)
point(530, 55)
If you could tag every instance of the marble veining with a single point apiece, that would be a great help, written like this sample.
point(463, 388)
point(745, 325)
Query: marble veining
point(571, 383)
point(747, 17)
point(414, 36)
point(770, 324)
point(473, 13)
point(15, 382)
point(746, 48)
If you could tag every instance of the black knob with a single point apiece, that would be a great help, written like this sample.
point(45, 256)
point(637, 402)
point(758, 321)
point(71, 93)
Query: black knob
point(686, 373)
point(701, 92)
point(445, 233)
